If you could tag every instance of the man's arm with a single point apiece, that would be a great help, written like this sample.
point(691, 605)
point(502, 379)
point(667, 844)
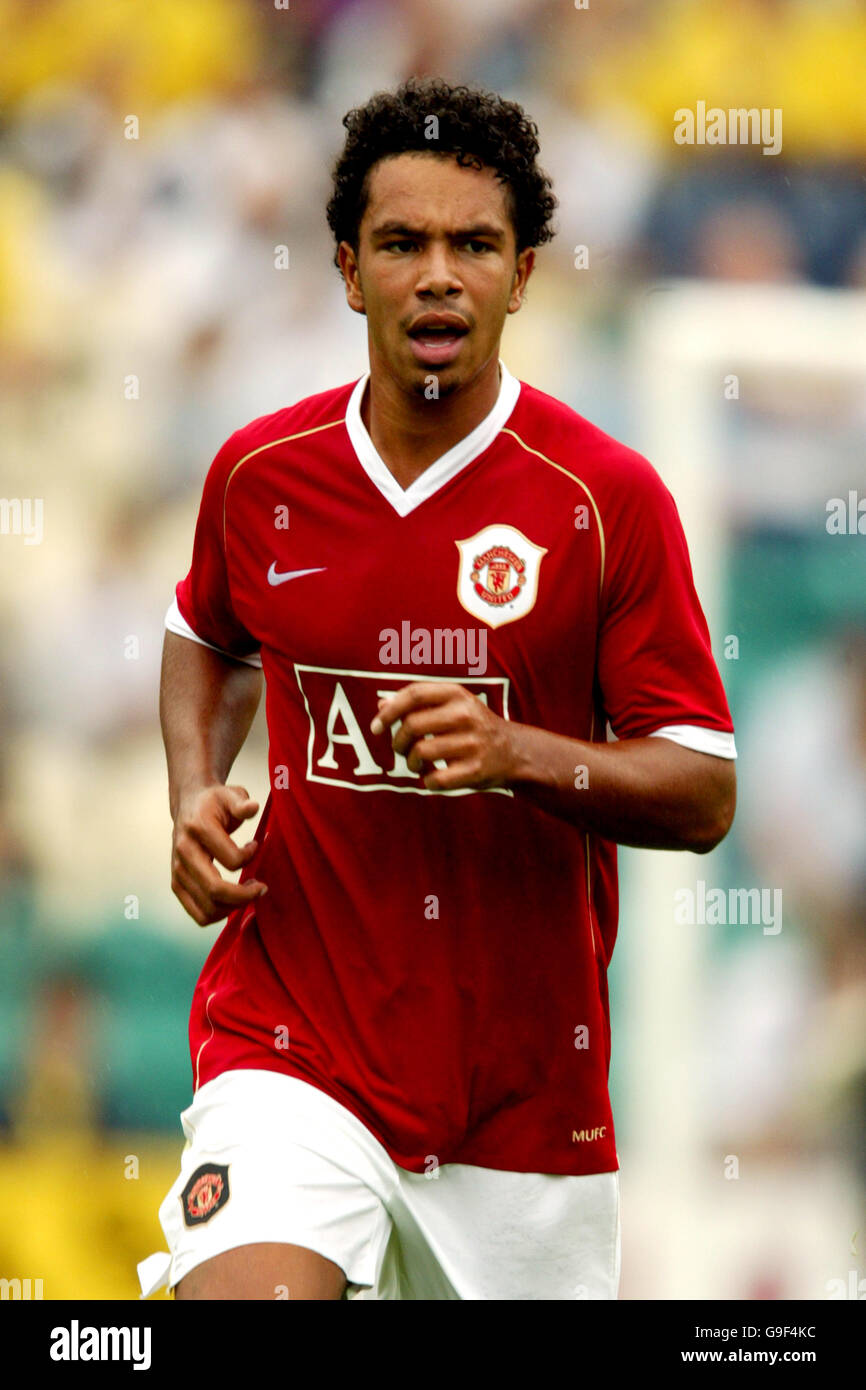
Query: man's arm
point(648, 792)
point(207, 703)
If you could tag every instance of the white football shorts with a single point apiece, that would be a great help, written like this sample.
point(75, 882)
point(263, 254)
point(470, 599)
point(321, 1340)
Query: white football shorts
point(269, 1157)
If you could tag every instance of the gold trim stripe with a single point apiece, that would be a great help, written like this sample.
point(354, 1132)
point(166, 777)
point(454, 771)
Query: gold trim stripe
point(287, 439)
point(582, 484)
point(586, 844)
point(207, 1040)
point(574, 479)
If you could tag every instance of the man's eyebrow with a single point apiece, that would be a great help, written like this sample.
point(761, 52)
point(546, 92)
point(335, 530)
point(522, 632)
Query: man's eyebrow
point(397, 228)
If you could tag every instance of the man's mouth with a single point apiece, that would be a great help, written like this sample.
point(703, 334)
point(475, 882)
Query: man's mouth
point(437, 340)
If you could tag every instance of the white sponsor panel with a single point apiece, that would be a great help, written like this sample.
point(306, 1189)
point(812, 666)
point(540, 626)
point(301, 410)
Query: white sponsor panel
point(341, 749)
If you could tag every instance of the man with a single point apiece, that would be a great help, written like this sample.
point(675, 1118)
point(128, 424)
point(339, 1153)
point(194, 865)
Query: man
point(400, 1040)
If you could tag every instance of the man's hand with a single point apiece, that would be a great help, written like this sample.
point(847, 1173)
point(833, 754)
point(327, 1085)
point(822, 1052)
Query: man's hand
point(647, 792)
point(438, 721)
point(202, 833)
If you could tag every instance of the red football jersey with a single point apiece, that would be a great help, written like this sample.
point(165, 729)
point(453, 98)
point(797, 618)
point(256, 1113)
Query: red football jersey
point(437, 962)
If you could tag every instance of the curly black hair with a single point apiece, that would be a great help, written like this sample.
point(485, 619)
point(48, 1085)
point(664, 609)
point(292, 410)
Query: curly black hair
point(479, 127)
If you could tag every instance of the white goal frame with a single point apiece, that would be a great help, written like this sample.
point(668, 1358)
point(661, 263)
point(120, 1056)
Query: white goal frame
point(686, 338)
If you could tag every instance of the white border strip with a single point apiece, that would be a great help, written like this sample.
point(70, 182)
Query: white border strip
point(447, 466)
point(714, 741)
point(177, 623)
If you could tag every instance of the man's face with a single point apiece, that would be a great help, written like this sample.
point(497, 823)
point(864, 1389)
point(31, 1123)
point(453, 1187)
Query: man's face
point(435, 239)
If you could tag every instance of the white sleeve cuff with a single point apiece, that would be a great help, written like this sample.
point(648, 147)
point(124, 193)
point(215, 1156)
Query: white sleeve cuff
point(176, 622)
point(714, 741)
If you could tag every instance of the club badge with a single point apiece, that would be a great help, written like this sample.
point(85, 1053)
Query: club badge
point(497, 576)
point(204, 1194)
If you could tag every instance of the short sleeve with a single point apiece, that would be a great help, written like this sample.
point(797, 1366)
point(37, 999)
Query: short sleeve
point(204, 598)
point(656, 669)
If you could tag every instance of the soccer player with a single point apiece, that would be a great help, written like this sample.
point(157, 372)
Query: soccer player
point(453, 584)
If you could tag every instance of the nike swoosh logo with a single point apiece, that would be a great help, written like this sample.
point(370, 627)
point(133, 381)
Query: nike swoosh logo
point(274, 578)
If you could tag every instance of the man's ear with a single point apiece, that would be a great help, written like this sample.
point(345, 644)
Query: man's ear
point(351, 277)
point(522, 272)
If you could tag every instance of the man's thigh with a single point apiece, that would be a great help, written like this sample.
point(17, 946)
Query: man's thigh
point(265, 1270)
point(281, 1193)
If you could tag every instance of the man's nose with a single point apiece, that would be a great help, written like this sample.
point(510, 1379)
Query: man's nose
point(438, 270)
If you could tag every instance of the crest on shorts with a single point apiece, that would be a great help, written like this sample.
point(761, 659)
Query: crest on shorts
point(497, 576)
point(204, 1194)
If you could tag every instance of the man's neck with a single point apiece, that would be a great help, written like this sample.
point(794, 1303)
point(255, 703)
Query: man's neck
point(409, 433)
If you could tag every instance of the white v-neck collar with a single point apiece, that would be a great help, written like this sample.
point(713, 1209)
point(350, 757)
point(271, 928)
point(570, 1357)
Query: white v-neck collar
point(446, 467)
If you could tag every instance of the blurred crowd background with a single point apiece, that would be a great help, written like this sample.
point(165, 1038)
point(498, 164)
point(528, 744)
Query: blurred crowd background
point(152, 158)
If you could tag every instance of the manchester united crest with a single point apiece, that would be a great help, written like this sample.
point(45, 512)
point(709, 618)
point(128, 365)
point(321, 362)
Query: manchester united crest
point(497, 577)
point(204, 1194)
